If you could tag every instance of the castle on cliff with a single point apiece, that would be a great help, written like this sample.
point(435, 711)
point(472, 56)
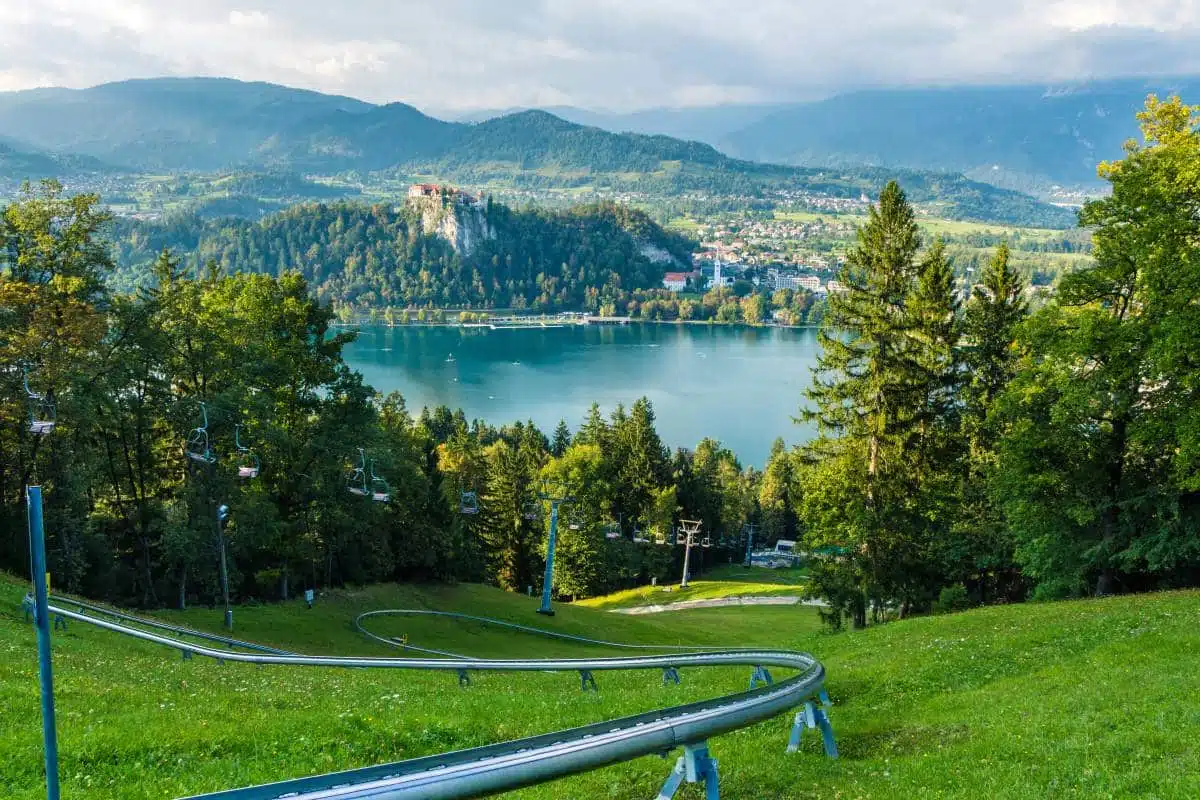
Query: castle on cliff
point(457, 216)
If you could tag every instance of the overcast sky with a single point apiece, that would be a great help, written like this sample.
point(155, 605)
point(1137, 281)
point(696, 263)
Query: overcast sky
point(616, 54)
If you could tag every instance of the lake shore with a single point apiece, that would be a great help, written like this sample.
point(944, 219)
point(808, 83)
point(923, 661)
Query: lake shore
point(534, 322)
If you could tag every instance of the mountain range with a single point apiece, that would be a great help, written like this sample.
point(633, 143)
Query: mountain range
point(1027, 137)
point(1023, 137)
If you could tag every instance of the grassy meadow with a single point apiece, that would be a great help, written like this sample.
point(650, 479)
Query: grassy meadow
point(1090, 699)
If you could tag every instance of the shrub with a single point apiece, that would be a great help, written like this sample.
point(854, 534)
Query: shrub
point(952, 598)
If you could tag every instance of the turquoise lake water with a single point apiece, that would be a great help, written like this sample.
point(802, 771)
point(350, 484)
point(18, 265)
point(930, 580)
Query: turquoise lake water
point(739, 385)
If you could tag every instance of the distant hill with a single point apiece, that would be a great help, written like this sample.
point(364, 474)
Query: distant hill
point(165, 123)
point(19, 162)
point(221, 125)
point(709, 124)
point(1024, 137)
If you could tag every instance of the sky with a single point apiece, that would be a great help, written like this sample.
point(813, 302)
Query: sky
point(618, 55)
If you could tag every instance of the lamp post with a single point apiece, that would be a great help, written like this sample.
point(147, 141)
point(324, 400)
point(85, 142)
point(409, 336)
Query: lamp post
point(555, 498)
point(689, 529)
point(222, 518)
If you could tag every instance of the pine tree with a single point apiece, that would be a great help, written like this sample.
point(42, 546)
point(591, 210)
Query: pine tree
point(980, 554)
point(562, 439)
point(511, 538)
point(777, 497)
point(996, 307)
point(594, 429)
point(871, 392)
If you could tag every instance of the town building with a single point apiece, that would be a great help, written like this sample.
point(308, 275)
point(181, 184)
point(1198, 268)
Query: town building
point(794, 281)
point(720, 279)
point(675, 281)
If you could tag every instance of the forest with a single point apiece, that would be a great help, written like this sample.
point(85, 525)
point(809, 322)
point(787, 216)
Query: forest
point(376, 256)
point(971, 449)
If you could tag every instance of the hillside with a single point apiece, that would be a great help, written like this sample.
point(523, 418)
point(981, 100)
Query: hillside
point(1091, 698)
point(1018, 136)
point(177, 125)
point(383, 255)
point(19, 162)
point(164, 123)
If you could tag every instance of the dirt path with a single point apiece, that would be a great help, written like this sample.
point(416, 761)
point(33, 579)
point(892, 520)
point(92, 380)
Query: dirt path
point(720, 602)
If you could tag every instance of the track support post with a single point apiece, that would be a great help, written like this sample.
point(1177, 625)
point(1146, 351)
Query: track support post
point(671, 675)
point(694, 766)
point(587, 680)
point(813, 717)
point(464, 679)
point(760, 676)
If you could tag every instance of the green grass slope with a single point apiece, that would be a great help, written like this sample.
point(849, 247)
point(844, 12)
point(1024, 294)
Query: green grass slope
point(1086, 699)
point(717, 584)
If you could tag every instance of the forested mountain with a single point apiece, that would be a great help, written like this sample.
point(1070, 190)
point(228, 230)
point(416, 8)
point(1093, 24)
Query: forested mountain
point(18, 160)
point(379, 255)
point(164, 123)
point(1021, 136)
point(223, 125)
point(708, 124)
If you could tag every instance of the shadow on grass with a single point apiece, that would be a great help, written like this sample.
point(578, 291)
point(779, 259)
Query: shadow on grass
point(903, 741)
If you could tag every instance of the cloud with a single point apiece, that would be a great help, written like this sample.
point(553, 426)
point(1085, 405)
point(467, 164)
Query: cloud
point(248, 19)
point(618, 54)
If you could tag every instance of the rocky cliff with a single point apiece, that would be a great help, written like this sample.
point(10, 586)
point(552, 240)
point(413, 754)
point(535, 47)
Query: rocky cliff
point(458, 217)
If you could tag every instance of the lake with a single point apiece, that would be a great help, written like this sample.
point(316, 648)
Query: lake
point(739, 385)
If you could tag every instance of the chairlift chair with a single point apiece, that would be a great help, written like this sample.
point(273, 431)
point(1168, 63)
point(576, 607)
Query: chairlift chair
point(356, 484)
point(198, 448)
point(706, 541)
point(660, 538)
point(468, 503)
point(41, 411)
point(638, 537)
point(248, 463)
point(532, 510)
point(380, 491)
point(612, 530)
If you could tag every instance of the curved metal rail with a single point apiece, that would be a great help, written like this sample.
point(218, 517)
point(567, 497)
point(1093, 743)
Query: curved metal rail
point(522, 762)
point(496, 623)
point(176, 629)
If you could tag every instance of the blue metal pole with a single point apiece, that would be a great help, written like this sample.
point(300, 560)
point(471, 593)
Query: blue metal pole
point(548, 580)
point(37, 553)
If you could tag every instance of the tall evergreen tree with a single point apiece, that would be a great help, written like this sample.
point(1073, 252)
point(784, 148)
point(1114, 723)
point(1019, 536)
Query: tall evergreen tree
point(980, 554)
point(562, 439)
point(877, 390)
point(778, 497)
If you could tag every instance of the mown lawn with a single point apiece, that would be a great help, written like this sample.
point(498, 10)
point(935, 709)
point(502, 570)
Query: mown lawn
point(1083, 699)
point(728, 581)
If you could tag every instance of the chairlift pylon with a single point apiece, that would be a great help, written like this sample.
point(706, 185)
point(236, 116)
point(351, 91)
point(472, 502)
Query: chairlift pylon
point(41, 411)
point(198, 448)
point(248, 463)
